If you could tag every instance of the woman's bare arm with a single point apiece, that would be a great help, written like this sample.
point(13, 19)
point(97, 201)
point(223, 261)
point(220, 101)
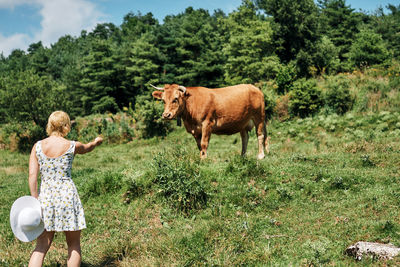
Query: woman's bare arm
point(33, 172)
point(85, 148)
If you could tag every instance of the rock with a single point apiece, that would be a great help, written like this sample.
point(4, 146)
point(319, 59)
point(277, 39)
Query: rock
point(375, 250)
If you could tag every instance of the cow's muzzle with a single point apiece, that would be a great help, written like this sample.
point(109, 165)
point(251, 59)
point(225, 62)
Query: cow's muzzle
point(167, 115)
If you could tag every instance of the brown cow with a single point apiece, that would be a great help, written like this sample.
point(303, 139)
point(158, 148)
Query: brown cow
point(225, 110)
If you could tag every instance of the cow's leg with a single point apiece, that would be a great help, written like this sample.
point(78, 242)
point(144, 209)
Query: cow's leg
point(198, 140)
point(205, 138)
point(244, 134)
point(262, 136)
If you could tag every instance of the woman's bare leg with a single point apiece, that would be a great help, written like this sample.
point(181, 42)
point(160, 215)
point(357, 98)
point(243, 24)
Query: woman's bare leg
point(43, 244)
point(74, 248)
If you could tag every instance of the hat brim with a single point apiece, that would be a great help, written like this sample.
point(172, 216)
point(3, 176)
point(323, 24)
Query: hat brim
point(23, 234)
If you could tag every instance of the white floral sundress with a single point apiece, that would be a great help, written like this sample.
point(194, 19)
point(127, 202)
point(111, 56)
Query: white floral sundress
point(61, 207)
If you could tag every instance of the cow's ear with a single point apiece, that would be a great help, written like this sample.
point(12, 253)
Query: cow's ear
point(183, 90)
point(183, 94)
point(157, 94)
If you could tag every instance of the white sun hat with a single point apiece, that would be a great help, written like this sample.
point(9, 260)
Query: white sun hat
point(26, 218)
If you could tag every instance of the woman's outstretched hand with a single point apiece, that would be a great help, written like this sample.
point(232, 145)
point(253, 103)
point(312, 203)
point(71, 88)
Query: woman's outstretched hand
point(98, 140)
point(85, 148)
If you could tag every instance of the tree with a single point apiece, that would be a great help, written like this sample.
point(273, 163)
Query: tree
point(98, 81)
point(39, 58)
point(16, 61)
point(27, 96)
point(339, 23)
point(138, 60)
point(134, 25)
point(63, 54)
point(388, 26)
point(368, 49)
point(326, 57)
point(194, 41)
point(144, 60)
point(106, 31)
point(67, 57)
point(249, 49)
point(295, 30)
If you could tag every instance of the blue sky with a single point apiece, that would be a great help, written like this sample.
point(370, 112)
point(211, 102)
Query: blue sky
point(23, 22)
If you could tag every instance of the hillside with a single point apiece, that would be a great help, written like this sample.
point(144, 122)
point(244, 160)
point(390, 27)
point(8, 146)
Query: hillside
point(328, 182)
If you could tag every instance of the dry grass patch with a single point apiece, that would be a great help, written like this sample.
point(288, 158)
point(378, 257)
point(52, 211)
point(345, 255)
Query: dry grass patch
point(9, 170)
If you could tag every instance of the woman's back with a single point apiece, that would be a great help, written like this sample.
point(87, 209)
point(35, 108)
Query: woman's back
point(57, 165)
point(54, 147)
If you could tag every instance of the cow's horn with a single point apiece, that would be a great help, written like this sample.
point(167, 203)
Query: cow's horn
point(182, 88)
point(158, 88)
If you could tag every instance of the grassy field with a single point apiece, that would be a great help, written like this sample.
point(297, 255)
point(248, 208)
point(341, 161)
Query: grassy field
point(328, 182)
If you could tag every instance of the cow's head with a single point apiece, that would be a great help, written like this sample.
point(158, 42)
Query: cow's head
point(173, 96)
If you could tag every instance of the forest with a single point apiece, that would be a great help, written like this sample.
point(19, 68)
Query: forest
point(281, 46)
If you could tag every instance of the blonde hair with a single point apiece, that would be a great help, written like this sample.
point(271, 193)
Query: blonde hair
point(59, 124)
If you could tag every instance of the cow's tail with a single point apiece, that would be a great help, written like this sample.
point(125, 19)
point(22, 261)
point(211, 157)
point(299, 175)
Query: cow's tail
point(266, 137)
point(266, 121)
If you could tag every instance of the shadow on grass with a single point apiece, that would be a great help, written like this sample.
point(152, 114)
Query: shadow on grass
point(107, 261)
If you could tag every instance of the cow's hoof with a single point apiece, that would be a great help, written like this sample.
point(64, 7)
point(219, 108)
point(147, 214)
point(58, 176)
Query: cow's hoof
point(261, 156)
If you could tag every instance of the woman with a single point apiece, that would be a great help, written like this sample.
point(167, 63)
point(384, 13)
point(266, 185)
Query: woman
point(61, 207)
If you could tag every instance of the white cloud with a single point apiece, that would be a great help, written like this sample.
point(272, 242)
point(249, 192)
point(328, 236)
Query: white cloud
point(66, 17)
point(7, 44)
point(13, 3)
point(59, 17)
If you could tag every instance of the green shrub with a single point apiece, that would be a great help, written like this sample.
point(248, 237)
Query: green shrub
point(148, 115)
point(326, 57)
point(134, 190)
point(115, 128)
point(126, 130)
point(87, 128)
point(137, 184)
point(394, 75)
point(375, 95)
point(178, 181)
point(304, 63)
point(305, 98)
point(368, 49)
point(285, 78)
point(21, 136)
point(270, 104)
point(361, 101)
point(376, 86)
point(99, 184)
point(338, 96)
